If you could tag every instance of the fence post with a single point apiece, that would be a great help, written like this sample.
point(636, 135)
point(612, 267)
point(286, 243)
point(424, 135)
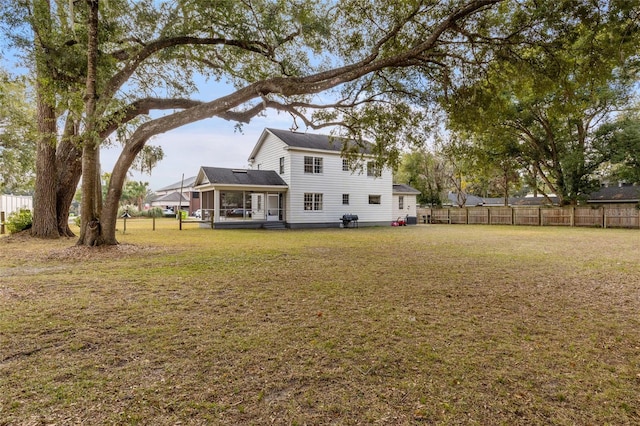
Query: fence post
point(604, 217)
point(513, 216)
point(180, 218)
point(467, 215)
point(488, 215)
point(1, 223)
point(540, 216)
point(154, 223)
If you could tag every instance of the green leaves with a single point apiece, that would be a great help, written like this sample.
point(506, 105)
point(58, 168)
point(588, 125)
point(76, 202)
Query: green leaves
point(572, 72)
point(17, 136)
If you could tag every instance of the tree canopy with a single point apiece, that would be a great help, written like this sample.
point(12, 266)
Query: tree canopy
point(17, 136)
point(542, 101)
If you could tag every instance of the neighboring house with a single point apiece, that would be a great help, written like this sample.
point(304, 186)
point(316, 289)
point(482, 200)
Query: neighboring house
point(464, 200)
point(623, 194)
point(301, 181)
point(178, 195)
point(405, 202)
point(173, 201)
point(12, 203)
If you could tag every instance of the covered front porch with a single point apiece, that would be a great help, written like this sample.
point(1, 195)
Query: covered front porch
point(238, 198)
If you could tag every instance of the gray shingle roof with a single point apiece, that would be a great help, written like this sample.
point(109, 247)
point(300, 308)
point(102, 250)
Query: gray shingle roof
point(171, 197)
point(616, 194)
point(188, 182)
point(401, 188)
point(313, 141)
point(224, 176)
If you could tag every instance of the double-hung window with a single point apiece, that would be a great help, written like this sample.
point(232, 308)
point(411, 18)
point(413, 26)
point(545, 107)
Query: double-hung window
point(312, 201)
point(313, 165)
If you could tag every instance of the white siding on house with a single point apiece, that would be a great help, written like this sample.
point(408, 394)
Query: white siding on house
point(333, 182)
point(268, 157)
point(409, 206)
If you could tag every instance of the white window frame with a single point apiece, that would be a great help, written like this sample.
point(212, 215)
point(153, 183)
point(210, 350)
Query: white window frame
point(312, 201)
point(313, 165)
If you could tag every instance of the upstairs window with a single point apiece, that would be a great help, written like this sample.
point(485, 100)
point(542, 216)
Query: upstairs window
point(345, 199)
point(345, 165)
point(401, 202)
point(281, 165)
point(374, 199)
point(313, 165)
point(373, 169)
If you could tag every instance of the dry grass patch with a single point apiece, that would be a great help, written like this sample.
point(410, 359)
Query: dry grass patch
point(423, 324)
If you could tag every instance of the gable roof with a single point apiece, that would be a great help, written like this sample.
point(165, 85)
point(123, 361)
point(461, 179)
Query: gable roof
point(188, 182)
point(310, 141)
point(401, 188)
point(171, 197)
point(245, 177)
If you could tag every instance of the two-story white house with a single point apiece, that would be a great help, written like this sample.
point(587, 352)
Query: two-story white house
point(299, 180)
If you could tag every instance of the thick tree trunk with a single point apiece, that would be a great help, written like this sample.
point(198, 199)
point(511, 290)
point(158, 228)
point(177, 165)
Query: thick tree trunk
point(69, 160)
point(116, 183)
point(91, 226)
point(91, 223)
point(45, 223)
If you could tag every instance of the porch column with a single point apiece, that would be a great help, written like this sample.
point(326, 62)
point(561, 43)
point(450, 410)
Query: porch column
point(216, 206)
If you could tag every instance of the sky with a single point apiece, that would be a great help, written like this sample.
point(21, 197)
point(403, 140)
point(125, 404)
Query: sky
point(213, 143)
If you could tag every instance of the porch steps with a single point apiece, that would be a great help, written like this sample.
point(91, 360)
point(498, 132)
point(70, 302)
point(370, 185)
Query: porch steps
point(274, 225)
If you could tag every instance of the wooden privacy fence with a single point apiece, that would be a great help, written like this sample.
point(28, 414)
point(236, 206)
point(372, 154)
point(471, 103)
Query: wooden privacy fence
point(602, 216)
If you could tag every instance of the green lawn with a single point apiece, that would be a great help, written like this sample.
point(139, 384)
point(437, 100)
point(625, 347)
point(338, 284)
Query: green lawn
point(427, 324)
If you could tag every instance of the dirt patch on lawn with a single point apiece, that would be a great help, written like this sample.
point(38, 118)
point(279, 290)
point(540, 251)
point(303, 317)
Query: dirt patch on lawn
point(101, 252)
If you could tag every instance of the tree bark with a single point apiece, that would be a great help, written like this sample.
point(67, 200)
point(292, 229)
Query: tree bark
point(91, 226)
point(45, 223)
point(69, 165)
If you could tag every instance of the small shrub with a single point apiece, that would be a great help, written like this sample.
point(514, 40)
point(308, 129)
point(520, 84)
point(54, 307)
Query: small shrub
point(154, 212)
point(19, 221)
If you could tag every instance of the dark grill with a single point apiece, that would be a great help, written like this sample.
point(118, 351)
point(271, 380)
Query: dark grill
point(349, 220)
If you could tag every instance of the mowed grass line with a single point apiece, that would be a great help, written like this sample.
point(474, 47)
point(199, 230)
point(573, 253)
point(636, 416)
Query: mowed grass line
point(428, 324)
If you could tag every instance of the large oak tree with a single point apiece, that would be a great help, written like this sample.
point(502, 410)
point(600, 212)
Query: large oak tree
point(101, 68)
point(542, 101)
